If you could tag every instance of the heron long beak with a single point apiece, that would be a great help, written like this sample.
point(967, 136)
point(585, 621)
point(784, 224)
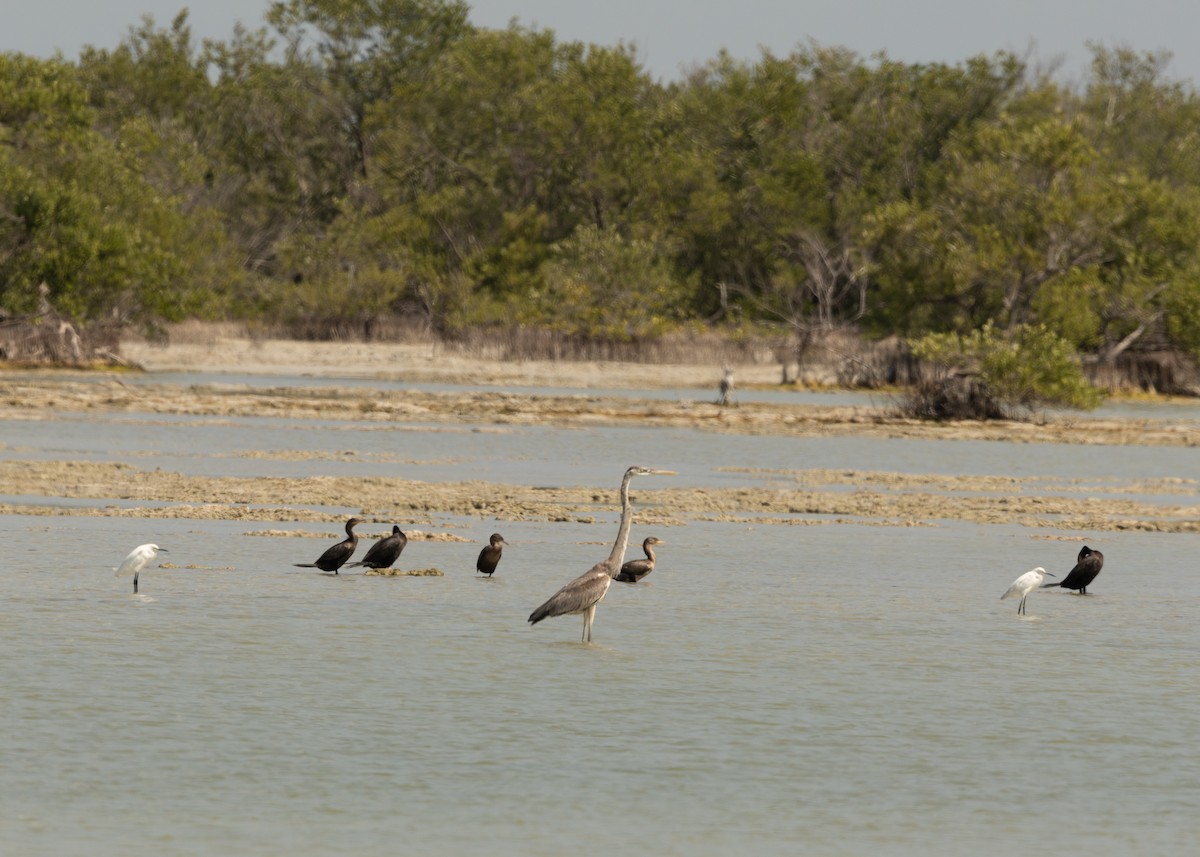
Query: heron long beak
point(664, 472)
point(1051, 574)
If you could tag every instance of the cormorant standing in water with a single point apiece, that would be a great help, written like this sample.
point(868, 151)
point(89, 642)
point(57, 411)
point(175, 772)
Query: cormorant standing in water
point(636, 569)
point(336, 556)
point(1086, 568)
point(489, 557)
point(385, 552)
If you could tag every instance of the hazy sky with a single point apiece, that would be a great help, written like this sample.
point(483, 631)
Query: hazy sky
point(669, 40)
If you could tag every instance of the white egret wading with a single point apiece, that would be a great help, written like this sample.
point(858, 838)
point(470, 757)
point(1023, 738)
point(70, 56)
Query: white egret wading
point(583, 593)
point(138, 559)
point(1025, 584)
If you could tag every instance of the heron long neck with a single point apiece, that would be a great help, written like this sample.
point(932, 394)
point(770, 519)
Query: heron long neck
point(618, 551)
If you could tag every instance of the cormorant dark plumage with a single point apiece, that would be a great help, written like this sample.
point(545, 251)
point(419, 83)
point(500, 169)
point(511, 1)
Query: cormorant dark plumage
point(1087, 566)
point(636, 569)
point(385, 552)
point(336, 556)
point(489, 557)
point(583, 593)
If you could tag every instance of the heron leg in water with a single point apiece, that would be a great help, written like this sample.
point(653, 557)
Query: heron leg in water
point(588, 615)
point(1021, 607)
point(135, 577)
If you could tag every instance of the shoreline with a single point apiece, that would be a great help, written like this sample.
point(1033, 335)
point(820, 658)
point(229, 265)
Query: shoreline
point(849, 497)
point(424, 362)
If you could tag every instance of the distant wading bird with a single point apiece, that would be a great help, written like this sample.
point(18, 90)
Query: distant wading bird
point(1025, 584)
point(138, 558)
point(583, 593)
point(636, 569)
point(489, 557)
point(1087, 566)
point(384, 553)
point(336, 556)
point(725, 387)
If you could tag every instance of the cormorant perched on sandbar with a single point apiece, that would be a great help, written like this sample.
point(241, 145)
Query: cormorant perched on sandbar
point(636, 569)
point(385, 552)
point(489, 557)
point(1086, 568)
point(336, 556)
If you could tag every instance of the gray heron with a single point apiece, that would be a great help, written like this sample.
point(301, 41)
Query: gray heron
point(336, 556)
point(384, 553)
point(489, 557)
point(1025, 584)
point(583, 593)
point(1087, 566)
point(138, 559)
point(636, 569)
point(725, 387)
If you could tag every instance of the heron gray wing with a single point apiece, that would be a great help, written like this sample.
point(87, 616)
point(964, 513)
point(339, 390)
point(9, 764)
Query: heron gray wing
point(577, 596)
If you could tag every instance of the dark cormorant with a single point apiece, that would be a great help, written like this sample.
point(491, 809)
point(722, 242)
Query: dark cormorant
point(583, 593)
point(1086, 568)
point(636, 569)
point(336, 556)
point(489, 557)
point(385, 552)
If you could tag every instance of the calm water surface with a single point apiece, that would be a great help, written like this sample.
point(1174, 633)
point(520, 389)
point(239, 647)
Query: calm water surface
point(770, 690)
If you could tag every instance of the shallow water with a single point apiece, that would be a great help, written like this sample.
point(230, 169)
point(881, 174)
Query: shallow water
point(536, 455)
point(831, 689)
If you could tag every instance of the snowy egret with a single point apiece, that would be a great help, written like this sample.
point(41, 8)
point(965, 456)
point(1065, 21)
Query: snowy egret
point(583, 593)
point(489, 557)
point(138, 558)
point(385, 552)
point(1025, 584)
point(336, 556)
point(636, 569)
point(1087, 566)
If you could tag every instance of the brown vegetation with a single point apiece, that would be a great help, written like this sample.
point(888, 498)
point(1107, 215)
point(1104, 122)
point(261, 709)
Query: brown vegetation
point(50, 338)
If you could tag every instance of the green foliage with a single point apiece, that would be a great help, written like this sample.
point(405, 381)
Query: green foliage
point(602, 286)
point(1024, 369)
point(77, 214)
point(358, 159)
point(1181, 308)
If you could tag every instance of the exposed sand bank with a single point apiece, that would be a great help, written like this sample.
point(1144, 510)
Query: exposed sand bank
point(880, 498)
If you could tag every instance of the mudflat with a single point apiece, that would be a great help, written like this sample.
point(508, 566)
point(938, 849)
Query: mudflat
point(852, 496)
